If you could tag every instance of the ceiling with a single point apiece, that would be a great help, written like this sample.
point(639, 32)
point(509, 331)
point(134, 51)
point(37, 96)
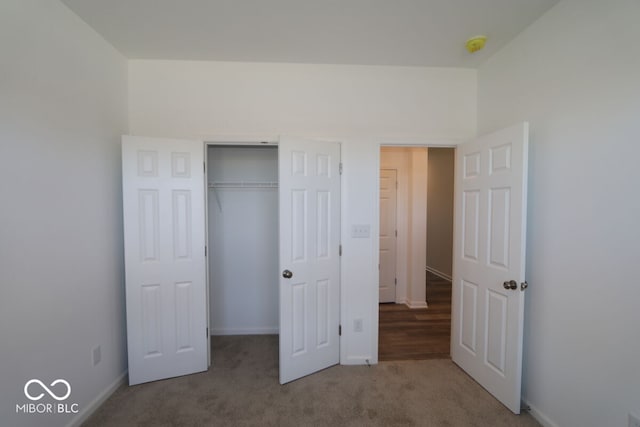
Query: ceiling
point(367, 32)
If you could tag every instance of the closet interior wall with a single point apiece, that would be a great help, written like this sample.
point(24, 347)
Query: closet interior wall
point(243, 239)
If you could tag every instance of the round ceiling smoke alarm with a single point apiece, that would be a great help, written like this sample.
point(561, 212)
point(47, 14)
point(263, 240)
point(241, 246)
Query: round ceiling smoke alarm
point(476, 43)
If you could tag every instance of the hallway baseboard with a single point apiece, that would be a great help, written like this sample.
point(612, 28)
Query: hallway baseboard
point(439, 273)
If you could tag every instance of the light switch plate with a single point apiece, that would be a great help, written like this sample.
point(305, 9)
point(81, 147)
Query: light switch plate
point(361, 231)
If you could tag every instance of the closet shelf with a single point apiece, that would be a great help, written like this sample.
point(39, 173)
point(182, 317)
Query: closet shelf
point(243, 184)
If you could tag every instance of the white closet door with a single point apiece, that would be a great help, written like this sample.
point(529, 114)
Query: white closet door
point(309, 189)
point(163, 203)
point(489, 261)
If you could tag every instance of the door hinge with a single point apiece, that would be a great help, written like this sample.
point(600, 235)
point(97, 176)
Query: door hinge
point(395, 280)
point(205, 251)
point(340, 168)
point(204, 167)
point(339, 330)
point(340, 250)
point(207, 332)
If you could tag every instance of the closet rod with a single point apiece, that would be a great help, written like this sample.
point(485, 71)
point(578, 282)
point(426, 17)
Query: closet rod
point(243, 184)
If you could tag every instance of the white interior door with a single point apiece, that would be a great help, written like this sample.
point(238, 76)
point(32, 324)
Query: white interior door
point(163, 203)
point(388, 234)
point(309, 193)
point(489, 261)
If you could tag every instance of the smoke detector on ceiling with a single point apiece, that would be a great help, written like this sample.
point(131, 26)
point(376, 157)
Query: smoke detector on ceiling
point(476, 43)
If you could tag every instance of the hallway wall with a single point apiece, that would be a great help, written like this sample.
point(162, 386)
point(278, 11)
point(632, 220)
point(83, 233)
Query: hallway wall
point(440, 211)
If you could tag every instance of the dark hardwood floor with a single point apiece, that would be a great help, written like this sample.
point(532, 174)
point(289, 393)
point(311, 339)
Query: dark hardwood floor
point(407, 334)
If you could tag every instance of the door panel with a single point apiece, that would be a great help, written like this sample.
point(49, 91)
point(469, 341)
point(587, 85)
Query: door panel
point(163, 206)
point(309, 192)
point(489, 253)
point(388, 238)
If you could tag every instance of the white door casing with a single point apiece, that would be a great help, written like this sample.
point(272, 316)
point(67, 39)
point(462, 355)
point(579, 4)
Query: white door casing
point(489, 250)
point(388, 235)
point(309, 192)
point(164, 238)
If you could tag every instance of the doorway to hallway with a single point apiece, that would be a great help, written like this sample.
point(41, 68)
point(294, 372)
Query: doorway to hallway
point(408, 330)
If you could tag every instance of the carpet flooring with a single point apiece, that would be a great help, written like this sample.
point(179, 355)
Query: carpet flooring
point(241, 389)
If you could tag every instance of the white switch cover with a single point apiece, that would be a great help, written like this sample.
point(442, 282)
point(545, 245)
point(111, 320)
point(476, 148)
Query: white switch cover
point(361, 231)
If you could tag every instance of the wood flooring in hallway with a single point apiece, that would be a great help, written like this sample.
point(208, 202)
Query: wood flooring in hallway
point(407, 334)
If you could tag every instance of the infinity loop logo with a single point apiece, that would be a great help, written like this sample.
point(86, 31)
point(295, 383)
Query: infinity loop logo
point(47, 389)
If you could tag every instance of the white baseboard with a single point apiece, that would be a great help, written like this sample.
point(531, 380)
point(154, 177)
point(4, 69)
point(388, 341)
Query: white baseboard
point(88, 410)
point(416, 304)
point(439, 273)
point(539, 416)
point(245, 331)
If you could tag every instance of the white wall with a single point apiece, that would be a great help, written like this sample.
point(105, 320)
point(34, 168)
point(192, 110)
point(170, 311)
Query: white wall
point(418, 289)
point(63, 106)
point(361, 106)
point(171, 98)
point(574, 75)
point(440, 211)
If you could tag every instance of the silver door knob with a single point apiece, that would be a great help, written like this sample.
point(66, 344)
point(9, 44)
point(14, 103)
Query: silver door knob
point(287, 274)
point(511, 284)
point(524, 285)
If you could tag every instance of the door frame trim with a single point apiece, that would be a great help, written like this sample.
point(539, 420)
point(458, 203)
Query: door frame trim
point(375, 229)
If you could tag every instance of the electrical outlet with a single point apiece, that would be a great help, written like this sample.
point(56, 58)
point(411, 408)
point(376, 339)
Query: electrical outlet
point(96, 355)
point(357, 325)
point(634, 421)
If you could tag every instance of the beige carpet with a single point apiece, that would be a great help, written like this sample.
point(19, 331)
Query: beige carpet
point(241, 389)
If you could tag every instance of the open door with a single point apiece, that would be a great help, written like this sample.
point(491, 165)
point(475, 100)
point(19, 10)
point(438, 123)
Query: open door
point(163, 204)
point(309, 193)
point(388, 235)
point(489, 261)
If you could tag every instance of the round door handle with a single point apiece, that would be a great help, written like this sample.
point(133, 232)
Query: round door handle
point(287, 274)
point(511, 284)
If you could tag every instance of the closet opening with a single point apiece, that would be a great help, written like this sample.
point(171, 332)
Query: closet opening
point(242, 239)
